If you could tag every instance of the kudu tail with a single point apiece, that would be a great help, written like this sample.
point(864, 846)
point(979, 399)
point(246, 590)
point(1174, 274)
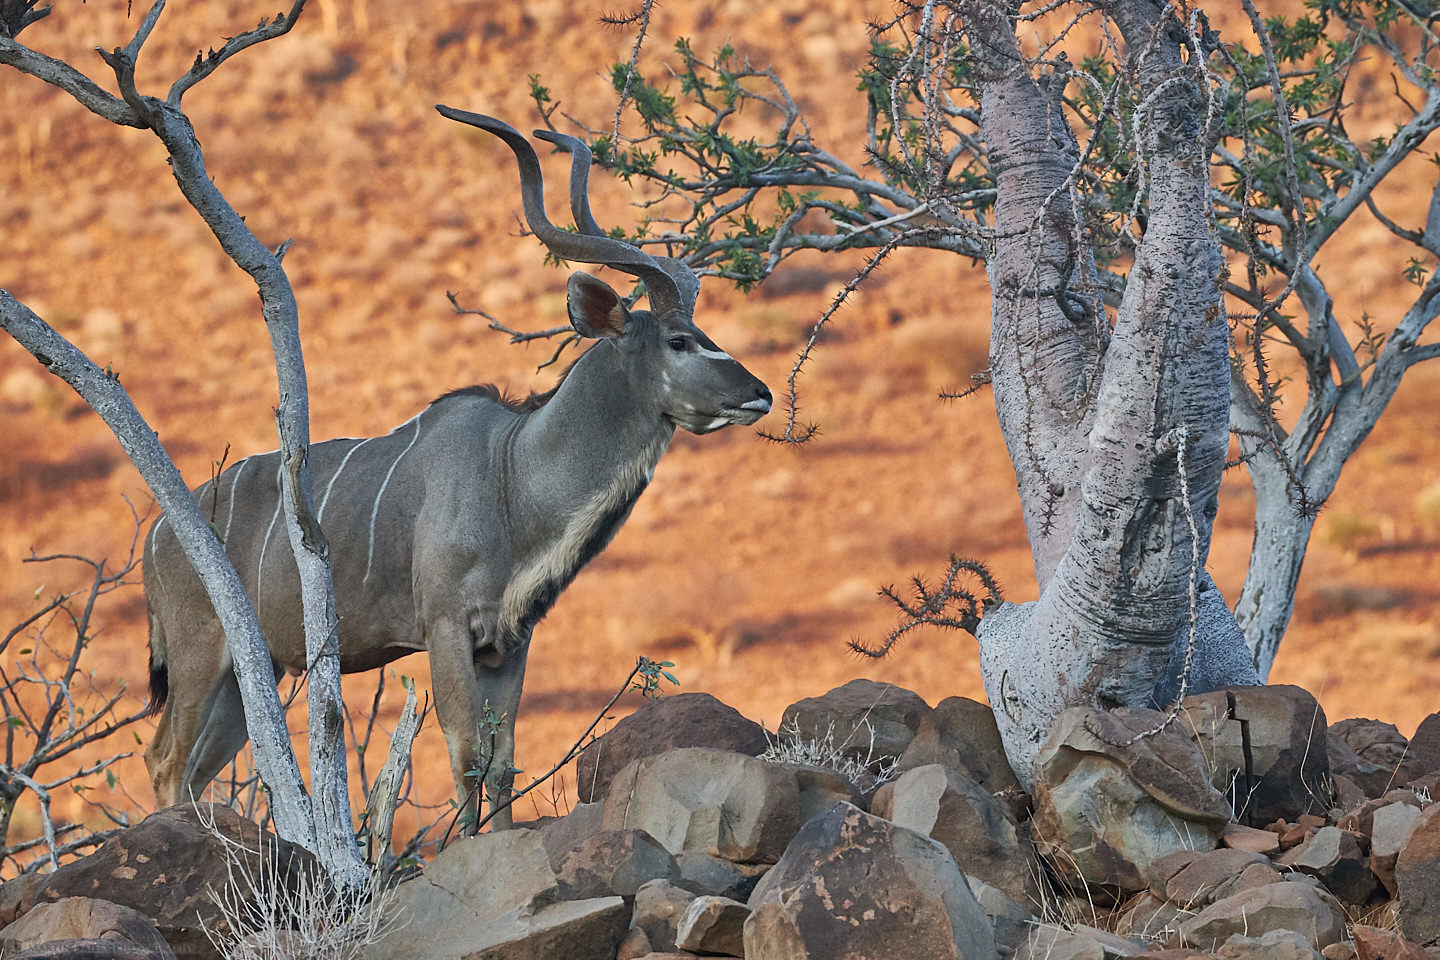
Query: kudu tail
point(159, 671)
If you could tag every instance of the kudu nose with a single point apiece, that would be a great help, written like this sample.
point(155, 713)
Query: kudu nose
point(762, 395)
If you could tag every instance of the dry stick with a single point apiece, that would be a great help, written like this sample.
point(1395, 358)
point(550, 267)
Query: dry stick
point(385, 796)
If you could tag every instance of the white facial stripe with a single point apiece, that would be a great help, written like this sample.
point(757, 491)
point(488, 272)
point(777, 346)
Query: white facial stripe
point(712, 354)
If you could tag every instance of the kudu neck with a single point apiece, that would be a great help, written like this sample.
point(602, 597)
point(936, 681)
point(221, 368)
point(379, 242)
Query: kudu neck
point(600, 421)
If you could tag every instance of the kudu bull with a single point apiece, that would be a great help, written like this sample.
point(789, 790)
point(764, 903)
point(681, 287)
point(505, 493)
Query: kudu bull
point(457, 531)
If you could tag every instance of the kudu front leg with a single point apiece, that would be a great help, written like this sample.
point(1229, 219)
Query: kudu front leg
point(477, 694)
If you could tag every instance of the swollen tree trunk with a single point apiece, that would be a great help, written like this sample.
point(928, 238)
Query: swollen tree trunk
point(1119, 442)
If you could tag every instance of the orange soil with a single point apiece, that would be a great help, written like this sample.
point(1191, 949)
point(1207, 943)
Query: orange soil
point(747, 564)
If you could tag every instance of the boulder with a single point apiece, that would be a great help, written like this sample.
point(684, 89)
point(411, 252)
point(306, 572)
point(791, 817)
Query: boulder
point(865, 720)
point(563, 834)
point(614, 863)
point(701, 873)
point(713, 925)
point(1417, 880)
point(1046, 941)
point(1194, 879)
point(163, 867)
point(947, 806)
point(1105, 812)
point(961, 734)
point(1383, 754)
point(1149, 918)
point(18, 895)
point(1240, 837)
point(659, 905)
point(1333, 857)
point(1425, 745)
point(1265, 747)
point(821, 788)
point(1374, 943)
point(87, 950)
point(1292, 905)
point(1275, 945)
point(84, 924)
point(634, 945)
point(684, 720)
point(694, 799)
point(1389, 829)
point(853, 884)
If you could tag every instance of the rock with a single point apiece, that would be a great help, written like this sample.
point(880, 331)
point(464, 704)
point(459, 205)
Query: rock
point(1417, 880)
point(634, 945)
point(947, 806)
point(1104, 813)
point(1383, 754)
point(18, 895)
point(163, 866)
point(1240, 837)
point(1390, 828)
point(1290, 905)
point(1265, 747)
point(1373, 943)
point(87, 950)
point(684, 720)
point(659, 905)
point(1011, 921)
point(821, 788)
point(1339, 951)
point(1194, 879)
point(494, 897)
point(713, 925)
point(1347, 791)
point(1149, 918)
point(86, 925)
point(852, 884)
point(1333, 857)
point(614, 863)
point(863, 719)
point(573, 929)
point(563, 834)
point(1425, 745)
point(961, 734)
point(701, 873)
point(710, 801)
point(1275, 945)
point(1046, 941)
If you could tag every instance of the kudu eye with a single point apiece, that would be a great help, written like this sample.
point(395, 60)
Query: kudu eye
point(678, 344)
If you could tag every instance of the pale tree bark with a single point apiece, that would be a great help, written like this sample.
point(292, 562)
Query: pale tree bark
point(1119, 445)
point(326, 828)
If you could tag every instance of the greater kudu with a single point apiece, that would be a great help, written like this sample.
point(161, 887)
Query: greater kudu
point(455, 532)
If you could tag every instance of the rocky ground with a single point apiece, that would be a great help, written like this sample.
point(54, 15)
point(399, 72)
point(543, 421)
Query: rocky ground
point(875, 827)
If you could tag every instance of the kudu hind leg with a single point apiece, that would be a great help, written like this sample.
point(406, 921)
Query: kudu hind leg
point(220, 738)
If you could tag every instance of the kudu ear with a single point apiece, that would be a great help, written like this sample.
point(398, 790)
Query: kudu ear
point(596, 310)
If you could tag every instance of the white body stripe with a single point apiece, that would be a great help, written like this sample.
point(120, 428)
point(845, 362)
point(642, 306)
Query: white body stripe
point(230, 507)
point(375, 509)
point(265, 544)
point(320, 513)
